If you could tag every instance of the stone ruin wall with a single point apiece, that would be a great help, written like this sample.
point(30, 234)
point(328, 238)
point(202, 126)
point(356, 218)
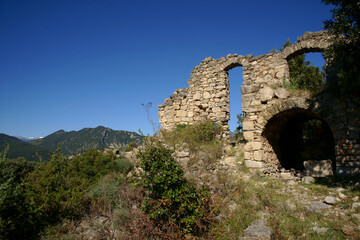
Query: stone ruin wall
point(207, 98)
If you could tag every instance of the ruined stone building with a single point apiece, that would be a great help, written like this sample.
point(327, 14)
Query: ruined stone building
point(275, 120)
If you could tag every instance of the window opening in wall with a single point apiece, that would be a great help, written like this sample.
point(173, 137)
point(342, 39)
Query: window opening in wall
point(235, 83)
point(316, 58)
point(306, 72)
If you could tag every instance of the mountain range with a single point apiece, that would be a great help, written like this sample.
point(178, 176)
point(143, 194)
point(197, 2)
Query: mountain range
point(70, 142)
point(27, 139)
point(19, 148)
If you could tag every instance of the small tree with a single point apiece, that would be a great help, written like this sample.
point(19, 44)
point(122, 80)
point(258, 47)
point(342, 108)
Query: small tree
point(239, 135)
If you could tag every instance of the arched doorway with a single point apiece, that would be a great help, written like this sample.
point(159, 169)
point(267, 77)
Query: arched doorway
point(299, 135)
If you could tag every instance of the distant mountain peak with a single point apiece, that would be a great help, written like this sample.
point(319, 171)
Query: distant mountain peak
point(78, 141)
point(103, 128)
point(60, 131)
point(27, 139)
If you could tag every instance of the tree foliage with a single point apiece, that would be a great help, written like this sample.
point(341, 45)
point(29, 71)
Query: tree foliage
point(239, 135)
point(36, 195)
point(344, 54)
point(14, 214)
point(302, 74)
point(56, 190)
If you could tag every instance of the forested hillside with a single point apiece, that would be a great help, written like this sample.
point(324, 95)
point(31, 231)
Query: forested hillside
point(18, 148)
point(78, 141)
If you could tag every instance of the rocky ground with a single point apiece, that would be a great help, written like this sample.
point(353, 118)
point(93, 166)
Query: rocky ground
point(301, 206)
point(308, 200)
point(250, 205)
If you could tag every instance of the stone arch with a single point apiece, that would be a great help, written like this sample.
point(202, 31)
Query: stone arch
point(297, 135)
point(309, 42)
point(232, 65)
point(233, 61)
point(281, 106)
point(304, 50)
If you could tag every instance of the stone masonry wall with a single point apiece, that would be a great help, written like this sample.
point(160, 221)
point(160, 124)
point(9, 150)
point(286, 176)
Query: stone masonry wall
point(207, 98)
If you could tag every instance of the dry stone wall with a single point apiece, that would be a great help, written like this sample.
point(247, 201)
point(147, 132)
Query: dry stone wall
point(263, 98)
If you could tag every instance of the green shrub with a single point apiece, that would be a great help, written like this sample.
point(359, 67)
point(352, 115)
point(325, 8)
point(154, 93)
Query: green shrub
point(14, 215)
point(193, 134)
point(36, 195)
point(123, 165)
point(130, 147)
point(92, 164)
point(57, 190)
point(171, 199)
point(104, 193)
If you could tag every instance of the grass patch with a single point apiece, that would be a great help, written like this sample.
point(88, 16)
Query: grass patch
point(261, 197)
point(201, 139)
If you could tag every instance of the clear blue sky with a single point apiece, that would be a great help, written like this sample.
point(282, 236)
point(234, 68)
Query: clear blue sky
point(70, 64)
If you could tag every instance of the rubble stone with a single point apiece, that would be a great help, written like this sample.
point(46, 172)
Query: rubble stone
point(258, 229)
point(330, 200)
